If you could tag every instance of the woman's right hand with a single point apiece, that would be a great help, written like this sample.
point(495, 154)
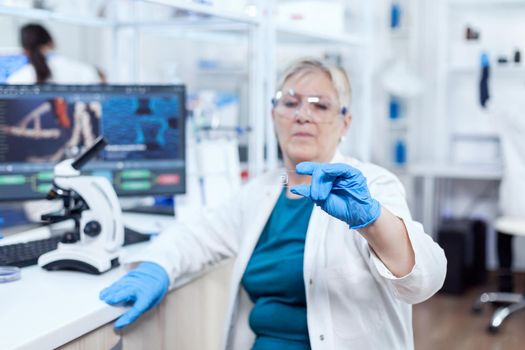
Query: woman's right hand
point(340, 190)
point(143, 287)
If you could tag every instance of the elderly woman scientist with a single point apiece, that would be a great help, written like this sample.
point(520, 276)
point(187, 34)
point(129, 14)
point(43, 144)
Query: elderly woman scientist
point(333, 261)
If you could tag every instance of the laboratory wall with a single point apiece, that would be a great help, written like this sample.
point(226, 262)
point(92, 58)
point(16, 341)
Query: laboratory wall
point(454, 127)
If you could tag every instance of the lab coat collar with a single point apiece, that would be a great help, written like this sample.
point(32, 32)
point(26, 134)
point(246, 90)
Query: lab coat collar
point(338, 157)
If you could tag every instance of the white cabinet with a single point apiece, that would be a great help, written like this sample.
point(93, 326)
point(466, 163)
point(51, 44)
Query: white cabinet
point(190, 317)
point(402, 84)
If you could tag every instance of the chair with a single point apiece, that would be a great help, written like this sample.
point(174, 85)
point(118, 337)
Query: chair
point(506, 229)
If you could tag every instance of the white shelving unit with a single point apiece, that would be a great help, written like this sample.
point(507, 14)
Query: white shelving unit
point(453, 112)
point(213, 23)
point(508, 71)
point(453, 74)
point(399, 146)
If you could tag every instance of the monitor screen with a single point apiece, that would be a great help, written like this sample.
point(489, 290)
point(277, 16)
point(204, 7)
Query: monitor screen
point(41, 125)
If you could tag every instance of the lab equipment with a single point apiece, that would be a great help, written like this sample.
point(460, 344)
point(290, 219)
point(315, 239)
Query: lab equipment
point(144, 286)
point(42, 125)
point(395, 15)
point(484, 94)
point(394, 108)
point(92, 203)
point(27, 253)
point(284, 177)
point(9, 274)
point(341, 191)
point(517, 56)
point(320, 109)
point(400, 152)
point(471, 34)
point(503, 60)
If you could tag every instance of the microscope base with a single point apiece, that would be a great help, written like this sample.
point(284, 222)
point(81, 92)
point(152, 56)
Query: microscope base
point(77, 257)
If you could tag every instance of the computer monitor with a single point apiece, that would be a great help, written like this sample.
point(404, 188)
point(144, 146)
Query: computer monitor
point(41, 125)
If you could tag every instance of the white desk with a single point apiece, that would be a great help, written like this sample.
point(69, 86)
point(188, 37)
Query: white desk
point(431, 173)
point(44, 310)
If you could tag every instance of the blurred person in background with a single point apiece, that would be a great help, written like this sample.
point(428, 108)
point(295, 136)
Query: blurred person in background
point(45, 66)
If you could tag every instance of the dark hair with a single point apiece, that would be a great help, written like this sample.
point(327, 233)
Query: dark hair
point(32, 38)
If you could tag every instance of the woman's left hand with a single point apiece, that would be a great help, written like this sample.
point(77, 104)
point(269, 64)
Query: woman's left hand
point(341, 191)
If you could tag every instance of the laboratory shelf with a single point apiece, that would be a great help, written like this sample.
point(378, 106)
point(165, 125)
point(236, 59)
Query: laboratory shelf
point(473, 134)
point(398, 125)
point(223, 72)
point(290, 34)
point(190, 22)
point(47, 15)
point(510, 69)
point(197, 35)
point(208, 10)
point(472, 171)
point(400, 34)
point(487, 4)
point(192, 14)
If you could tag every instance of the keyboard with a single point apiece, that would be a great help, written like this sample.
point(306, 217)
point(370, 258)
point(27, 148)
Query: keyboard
point(27, 253)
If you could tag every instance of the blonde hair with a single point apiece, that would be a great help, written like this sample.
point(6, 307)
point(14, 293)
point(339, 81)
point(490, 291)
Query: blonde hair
point(337, 75)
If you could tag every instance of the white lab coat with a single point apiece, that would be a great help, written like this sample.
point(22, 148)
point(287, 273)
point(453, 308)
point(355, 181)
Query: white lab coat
point(509, 120)
point(63, 71)
point(353, 301)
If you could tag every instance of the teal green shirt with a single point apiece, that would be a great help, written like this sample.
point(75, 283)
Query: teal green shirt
point(274, 278)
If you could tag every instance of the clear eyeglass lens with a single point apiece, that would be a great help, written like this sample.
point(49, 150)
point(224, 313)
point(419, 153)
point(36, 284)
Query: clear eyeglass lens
point(318, 108)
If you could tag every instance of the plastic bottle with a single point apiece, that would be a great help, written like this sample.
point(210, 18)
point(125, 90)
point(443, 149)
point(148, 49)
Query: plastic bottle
point(400, 152)
point(395, 15)
point(517, 56)
point(394, 108)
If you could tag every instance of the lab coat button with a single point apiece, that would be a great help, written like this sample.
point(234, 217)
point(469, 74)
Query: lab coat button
point(311, 281)
point(321, 337)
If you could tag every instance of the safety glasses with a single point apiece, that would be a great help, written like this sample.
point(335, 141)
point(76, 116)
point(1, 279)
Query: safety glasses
point(319, 109)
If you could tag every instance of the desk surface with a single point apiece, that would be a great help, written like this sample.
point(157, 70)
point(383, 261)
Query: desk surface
point(458, 171)
point(44, 310)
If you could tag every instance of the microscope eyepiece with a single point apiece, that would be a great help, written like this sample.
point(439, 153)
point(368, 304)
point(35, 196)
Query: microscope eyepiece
point(90, 153)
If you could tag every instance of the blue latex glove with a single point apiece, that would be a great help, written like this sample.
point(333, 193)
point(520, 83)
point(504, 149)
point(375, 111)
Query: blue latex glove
point(144, 287)
point(341, 191)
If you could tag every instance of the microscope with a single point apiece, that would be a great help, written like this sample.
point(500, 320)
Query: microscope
point(91, 202)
